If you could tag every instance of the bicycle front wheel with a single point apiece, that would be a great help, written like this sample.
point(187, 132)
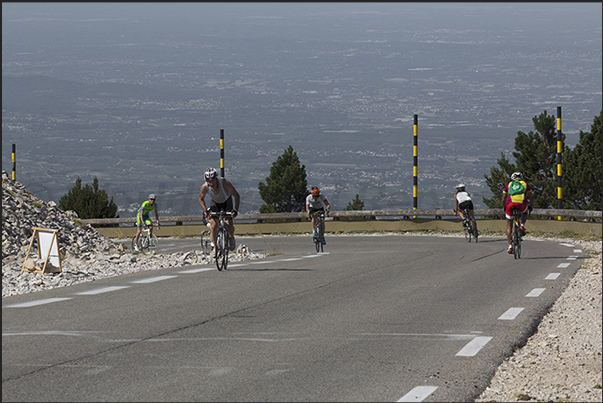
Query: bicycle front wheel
point(319, 235)
point(206, 242)
point(153, 241)
point(222, 249)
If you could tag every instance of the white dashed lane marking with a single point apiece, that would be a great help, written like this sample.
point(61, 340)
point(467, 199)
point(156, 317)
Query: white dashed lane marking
point(152, 279)
point(38, 302)
point(418, 394)
point(102, 290)
point(510, 314)
point(535, 292)
point(473, 347)
point(552, 276)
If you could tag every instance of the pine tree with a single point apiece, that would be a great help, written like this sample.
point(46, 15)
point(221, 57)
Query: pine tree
point(286, 188)
point(355, 204)
point(536, 159)
point(581, 185)
point(88, 201)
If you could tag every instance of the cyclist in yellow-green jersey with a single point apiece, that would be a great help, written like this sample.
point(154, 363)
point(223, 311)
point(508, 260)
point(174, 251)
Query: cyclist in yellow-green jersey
point(143, 219)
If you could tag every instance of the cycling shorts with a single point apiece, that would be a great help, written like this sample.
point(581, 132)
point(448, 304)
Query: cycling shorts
point(523, 207)
point(466, 205)
point(216, 207)
point(146, 220)
point(317, 210)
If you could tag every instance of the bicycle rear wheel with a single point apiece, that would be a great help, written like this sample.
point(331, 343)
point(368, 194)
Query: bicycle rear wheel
point(466, 231)
point(134, 243)
point(516, 241)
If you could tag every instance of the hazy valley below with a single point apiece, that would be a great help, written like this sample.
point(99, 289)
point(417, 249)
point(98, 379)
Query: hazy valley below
point(141, 108)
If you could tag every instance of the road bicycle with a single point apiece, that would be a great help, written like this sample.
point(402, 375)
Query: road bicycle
point(469, 227)
point(516, 233)
point(146, 240)
point(206, 238)
point(319, 230)
point(221, 247)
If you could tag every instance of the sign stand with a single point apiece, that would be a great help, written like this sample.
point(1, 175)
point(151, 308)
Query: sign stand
point(48, 249)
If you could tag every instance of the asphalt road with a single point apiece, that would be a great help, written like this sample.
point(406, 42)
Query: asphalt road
point(373, 318)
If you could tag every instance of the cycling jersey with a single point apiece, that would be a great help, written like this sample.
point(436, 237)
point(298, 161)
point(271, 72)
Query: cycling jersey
point(145, 208)
point(319, 203)
point(222, 194)
point(516, 192)
point(462, 197)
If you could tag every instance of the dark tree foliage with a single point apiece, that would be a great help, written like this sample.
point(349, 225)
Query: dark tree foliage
point(88, 201)
point(286, 188)
point(536, 159)
point(581, 181)
point(355, 204)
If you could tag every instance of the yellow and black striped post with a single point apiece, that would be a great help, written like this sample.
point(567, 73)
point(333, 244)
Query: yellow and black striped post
point(415, 162)
point(559, 157)
point(222, 153)
point(14, 162)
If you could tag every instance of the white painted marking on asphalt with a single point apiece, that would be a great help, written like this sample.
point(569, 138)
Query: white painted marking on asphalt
point(260, 262)
point(473, 347)
point(102, 290)
point(563, 265)
point(424, 336)
point(152, 279)
point(535, 292)
point(567, 244)
point(510, 314)
point(572, 257)
point(418, 394)
point(577, 250)
point(191, 271)
point(34, 303)
point(290, 260)
point(552, 276)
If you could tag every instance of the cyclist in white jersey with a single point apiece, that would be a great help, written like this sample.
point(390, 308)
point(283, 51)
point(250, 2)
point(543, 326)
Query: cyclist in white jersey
point(221, 193)
point(462, 200)
point(316, 202)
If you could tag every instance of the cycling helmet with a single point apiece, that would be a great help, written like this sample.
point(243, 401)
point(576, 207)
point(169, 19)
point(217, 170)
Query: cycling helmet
point(516, 176)
point(315, 191)
point(152, 196)
point(210, 174)
point(460, 186)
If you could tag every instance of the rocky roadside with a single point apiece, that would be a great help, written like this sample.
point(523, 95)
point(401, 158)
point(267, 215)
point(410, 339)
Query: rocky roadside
point(561, 362)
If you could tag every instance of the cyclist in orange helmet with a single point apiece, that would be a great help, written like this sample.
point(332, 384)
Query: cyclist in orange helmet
point(316, 202)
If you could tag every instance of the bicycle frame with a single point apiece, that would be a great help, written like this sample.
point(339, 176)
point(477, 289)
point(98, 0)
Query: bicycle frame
point(319, 230)
point(145, 240)
point(221, 245)
point(469, 227)
point(515, 234)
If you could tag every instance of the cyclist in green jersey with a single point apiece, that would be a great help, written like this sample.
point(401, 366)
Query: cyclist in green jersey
point(143, 219)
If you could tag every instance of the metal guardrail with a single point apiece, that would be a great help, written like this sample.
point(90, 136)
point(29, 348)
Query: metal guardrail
point(589, 215)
